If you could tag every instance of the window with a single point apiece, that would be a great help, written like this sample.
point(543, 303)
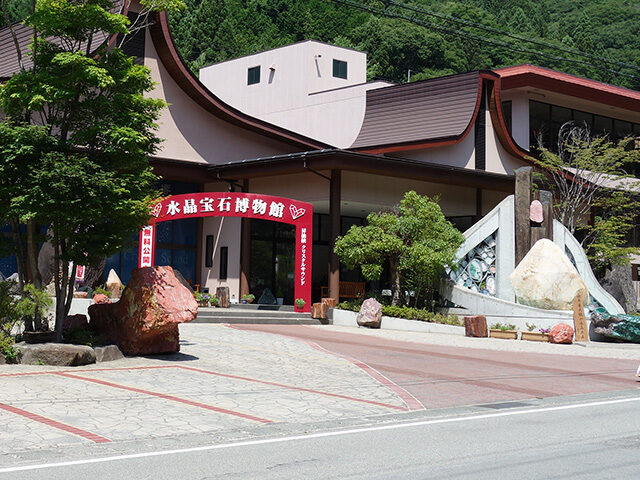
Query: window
point(506, 112)
point(224, 261)
point(253, 75)
point(208, 256)
point(339, 69)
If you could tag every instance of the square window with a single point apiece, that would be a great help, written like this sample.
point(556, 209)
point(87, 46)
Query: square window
point(253, 75)
point(339, 69)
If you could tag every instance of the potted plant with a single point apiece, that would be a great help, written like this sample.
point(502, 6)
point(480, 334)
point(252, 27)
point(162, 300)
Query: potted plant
point(33, 307)
point(506, 331)
point(300, 303)
point(279, 296)
point(542, 335)
point(248, 298)
point(203, 299)
point(213, 302)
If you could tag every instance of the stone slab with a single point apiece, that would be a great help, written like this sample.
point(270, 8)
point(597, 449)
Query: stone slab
point(60, 354)
point(108, 353)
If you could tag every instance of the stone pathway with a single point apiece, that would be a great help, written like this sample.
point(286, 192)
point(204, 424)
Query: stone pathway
point(223, 379)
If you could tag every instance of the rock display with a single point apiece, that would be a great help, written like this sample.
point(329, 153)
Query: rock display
point(60, 354)
point(370, 314)
point(546, 278)
point(182, 280)
point(475, 326)
point(535, 212)
point(619, 283)
point(319, 311)
point(101, 298)
point(561, 333)
point(267, 298)
point(330, 302)
point(222, 294)
point(108, 353)
point(113, 284)
point(145, 319)
point(75, 321)
point(619, 327)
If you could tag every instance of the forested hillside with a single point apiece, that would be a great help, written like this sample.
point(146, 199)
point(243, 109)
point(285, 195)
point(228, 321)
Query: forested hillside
point(425, 40)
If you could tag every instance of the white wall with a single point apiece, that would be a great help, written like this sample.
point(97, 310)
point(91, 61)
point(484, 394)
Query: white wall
point(226, 232)
point(297, 89)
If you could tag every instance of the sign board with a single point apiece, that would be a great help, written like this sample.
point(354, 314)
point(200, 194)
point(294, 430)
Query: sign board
point(244, 205)
point(80, 270)
point(579, 319)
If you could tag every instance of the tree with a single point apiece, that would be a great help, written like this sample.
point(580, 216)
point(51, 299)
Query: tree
point(593, 195)
point(414, 237)
point(75, 141)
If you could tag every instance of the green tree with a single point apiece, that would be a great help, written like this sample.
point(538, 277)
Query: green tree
point(414, 237)
point(589, 181)
point(75, 141)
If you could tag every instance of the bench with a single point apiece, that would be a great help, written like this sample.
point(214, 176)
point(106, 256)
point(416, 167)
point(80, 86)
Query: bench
point(346, 290)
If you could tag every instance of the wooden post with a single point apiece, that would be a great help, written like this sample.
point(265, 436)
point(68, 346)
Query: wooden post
point(579, 319)
point(335, 220)
point(245, 249)
point(522, 205)
point(546, 198)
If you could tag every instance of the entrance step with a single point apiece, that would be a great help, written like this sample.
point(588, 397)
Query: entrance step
point(266, 314)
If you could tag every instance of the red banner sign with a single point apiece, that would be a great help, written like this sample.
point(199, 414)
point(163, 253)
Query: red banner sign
point(245, 205)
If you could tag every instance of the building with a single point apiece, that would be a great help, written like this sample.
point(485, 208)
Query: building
point(458, 137)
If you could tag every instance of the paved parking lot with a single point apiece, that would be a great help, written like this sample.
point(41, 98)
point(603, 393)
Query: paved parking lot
point(223, 379)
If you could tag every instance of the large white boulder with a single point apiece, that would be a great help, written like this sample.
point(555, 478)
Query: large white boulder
point(546, 278)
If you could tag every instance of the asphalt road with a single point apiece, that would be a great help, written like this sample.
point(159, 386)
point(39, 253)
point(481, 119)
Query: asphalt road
point(595, 438)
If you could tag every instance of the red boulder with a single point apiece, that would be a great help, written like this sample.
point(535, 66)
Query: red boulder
point(101, 298)
point(475, 326)
point(561, 333)
point(145, 319)
point(75, 321)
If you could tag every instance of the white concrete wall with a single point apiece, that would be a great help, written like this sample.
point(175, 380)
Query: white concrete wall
point(194, 134)
point(297, 89)
point(226, 232)
point(460, 155)
point(497, 158)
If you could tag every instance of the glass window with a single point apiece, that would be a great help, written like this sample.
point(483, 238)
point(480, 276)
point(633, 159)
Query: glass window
point(506, 111)
point(253, 75)
point(539, 123)
point(339, 69)
point(560, 114)
point(185, 232)
point(583, 118)
point(602, 125)
point(621, 129)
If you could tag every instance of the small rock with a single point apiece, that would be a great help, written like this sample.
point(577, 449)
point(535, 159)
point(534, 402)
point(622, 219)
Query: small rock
point(55, 354)
point(75, 321)
point(561, 333)
point(108, 353)
point(370, 314)
point(80, 294)
point(475, 326)
point(3, 361)
point(101, 298)
point(222, 293)
point(535, 212)
point(113, 284)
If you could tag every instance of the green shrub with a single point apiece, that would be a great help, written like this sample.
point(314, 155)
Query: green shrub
point(7, 348)
point(503, 326)
point(83, 336)
point(405, 312)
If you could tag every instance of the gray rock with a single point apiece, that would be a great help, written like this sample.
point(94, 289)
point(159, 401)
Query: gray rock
point(13, 277)
point(2, 360)
point(55, 354)
point(182, 280)
point(2, 278)
point(108, 353)
point(267, 298)
point(370, 314)
point(46, 262)
point(618, 282)
point(624, 328)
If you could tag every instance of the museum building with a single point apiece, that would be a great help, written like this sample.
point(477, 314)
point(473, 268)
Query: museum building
point(302, 123)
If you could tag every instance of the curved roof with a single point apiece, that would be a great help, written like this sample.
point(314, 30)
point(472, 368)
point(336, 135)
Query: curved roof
point(567, 84)
point(189, 83)
point(437, 109)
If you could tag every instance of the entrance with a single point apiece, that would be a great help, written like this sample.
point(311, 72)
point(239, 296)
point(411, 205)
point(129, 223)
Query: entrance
point(246, 205)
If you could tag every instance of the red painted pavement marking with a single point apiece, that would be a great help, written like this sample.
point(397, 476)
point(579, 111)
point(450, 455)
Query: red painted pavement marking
point(167, 397)
point(412, 402)
point(53, 372)
point(55, 424)
point(292, 387)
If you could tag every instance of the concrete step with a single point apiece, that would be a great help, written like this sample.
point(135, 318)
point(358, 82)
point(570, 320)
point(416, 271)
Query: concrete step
point(236, 312)
point(246, 319)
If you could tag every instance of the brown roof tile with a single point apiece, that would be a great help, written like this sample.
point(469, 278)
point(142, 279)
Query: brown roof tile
point(440, 108)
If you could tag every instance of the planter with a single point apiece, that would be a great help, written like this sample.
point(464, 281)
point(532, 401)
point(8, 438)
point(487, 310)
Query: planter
point(535, 336)
point(505, 334)
point(244, 302)
point(279, 301)
point(39, 337)
point(203, 303)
